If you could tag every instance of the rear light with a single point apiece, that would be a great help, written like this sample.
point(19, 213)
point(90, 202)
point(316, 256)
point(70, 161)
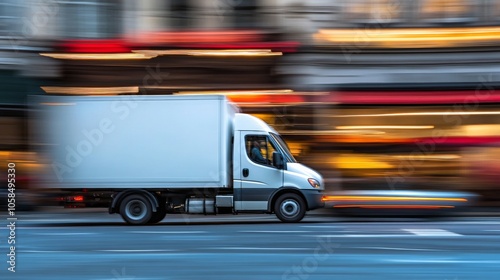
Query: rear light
point(73, 198)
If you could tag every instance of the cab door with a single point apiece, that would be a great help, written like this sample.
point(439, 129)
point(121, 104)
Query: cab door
point(259, 177)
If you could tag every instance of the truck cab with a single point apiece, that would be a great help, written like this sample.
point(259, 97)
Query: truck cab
point(272, 180)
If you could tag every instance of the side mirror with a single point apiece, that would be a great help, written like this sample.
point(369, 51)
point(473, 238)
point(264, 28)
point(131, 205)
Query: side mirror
point(278, 160)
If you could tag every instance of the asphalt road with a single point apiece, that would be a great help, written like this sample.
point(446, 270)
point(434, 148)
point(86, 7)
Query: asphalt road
point(94, 245)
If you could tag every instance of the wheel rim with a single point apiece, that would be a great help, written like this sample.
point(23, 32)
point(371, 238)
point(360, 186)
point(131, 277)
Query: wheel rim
point(136, 210)
point(290, 207)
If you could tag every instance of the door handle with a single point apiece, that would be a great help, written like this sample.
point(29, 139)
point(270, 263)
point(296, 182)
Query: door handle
point(245, 172)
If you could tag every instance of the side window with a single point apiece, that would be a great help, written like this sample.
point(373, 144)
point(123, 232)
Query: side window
point(259, 149)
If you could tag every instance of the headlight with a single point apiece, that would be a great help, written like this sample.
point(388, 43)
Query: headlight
point(314, 183)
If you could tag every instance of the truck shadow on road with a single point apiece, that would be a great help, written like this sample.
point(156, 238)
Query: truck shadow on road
point(121, 224)
point(370, 220)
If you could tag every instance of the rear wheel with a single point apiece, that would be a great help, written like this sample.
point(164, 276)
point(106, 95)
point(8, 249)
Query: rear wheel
point(290, 208)
point(136, 209)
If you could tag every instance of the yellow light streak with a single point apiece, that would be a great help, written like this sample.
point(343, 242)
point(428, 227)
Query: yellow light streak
point(385, 127)
point(98, 56)
point(242, 52)
point(91, 90)
point(374, 206)
point(410, 37)
point(429, 157)
point(332, 132)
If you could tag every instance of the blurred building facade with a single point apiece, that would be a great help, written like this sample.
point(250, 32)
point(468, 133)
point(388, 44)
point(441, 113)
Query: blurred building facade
point(377, 94)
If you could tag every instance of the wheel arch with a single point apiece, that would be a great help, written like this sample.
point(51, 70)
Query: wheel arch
point(281, 191)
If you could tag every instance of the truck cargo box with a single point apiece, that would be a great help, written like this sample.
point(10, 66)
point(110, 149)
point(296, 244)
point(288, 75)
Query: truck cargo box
point(119, 142)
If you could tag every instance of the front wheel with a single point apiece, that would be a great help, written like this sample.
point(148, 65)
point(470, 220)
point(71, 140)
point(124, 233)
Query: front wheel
point(136, 209)
point(290, 208)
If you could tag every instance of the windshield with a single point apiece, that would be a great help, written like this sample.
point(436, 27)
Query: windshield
point(284, 147)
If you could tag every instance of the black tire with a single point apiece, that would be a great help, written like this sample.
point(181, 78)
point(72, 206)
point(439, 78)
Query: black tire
point(159, 215)
point(290, 208)
point(136, 209)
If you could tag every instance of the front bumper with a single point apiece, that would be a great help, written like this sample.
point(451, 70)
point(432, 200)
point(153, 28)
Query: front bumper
point(314, 199)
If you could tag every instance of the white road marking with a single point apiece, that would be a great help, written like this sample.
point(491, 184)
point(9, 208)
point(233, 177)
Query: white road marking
point(358, 235)
point(431, 232)
point(396, 249)
point(125, 277)
point(136, 251)
point(257, 248)
point(442, 261)
point(44, 227)
point(63, 233)
point(114, 251)
point(335, 226)
point(169, 232)
point(45, 251)
point(39, 228)
point(128, 277)
point(330, 227)
point(274, 231)
point(55, 220)
point(471, 222)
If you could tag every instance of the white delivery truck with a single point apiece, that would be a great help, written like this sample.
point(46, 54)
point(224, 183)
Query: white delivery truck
point(190, 153)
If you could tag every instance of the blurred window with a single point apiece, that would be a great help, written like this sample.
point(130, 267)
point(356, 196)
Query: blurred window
point(231, 13)
point(374, 11)
point(494, 10)
point(13, 135)
point(180, 14)
point(91, 19)
point(244, 13)
point(451, 11)
point(11, 21)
